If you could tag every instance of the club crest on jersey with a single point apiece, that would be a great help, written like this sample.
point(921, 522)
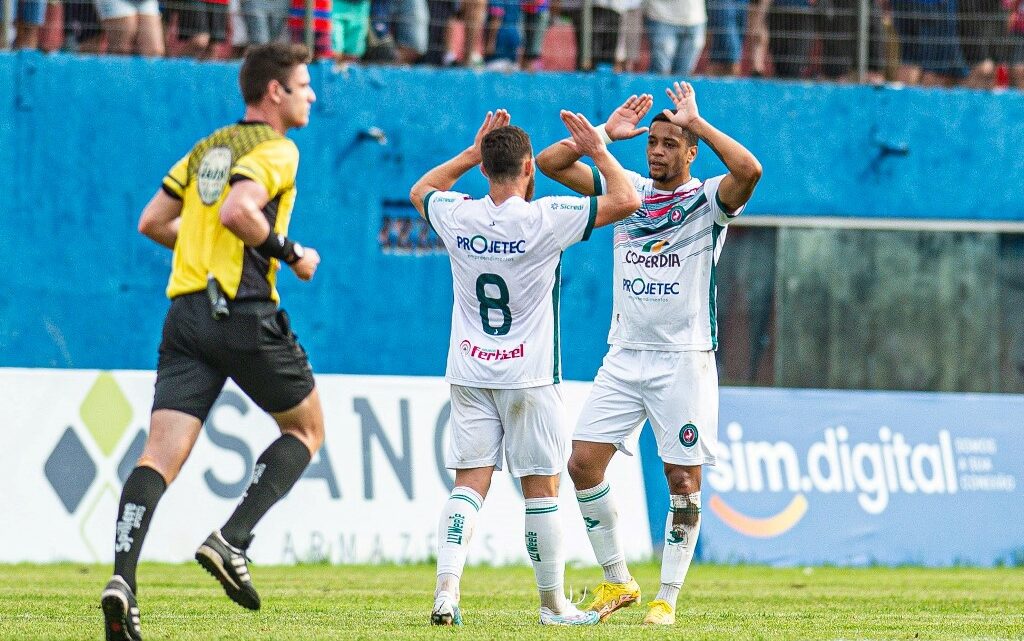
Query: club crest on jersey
point(676, 214)
point(688, 435)
point(212, 174)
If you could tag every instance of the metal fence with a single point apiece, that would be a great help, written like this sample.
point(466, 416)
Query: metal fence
point(934, 42)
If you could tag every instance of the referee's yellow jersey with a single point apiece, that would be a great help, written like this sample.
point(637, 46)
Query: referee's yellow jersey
point(205, 247)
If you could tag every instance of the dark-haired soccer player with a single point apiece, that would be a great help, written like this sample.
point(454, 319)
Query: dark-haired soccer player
point(503, 359)
point(661, 365)
point(224, 209)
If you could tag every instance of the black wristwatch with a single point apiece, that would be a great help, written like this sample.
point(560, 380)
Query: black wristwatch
point(298, 251)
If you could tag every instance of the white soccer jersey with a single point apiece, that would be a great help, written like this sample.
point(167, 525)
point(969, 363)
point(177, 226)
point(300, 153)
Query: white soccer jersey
point(665, 256)
point(506, 263)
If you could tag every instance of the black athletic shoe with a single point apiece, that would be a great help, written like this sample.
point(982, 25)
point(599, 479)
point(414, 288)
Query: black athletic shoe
point(120, 611)
point(227, 564)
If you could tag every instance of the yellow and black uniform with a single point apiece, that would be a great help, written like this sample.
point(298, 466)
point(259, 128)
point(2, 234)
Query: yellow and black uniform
point(254, 344)
point(201, 180)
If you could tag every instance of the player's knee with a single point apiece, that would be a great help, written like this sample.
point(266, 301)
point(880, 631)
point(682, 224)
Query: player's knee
point(311, 434)
point(580, 472)
point(682, 480)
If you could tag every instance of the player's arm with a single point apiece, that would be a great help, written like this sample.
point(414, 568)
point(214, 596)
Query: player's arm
point(444, 176)
point(242, 213)
point(561, 161)
point(161, 218)
point(620, 199)
point(744, 169)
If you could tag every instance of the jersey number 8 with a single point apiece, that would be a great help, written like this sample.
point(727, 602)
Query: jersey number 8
point(487, 303)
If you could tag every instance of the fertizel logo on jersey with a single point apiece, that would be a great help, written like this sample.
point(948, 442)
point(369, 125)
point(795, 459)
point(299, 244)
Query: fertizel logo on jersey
point(480, 245)
point(640, 287)
point(472, 351)
point(212, 174)
point(71, 468)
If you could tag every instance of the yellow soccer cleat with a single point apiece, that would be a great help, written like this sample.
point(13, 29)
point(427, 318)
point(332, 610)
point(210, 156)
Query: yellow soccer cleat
point(609, 597)
point(660, 613)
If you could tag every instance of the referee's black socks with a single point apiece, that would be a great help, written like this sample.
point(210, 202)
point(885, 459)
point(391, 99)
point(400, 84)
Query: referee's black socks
point(276, 471)
point(142, 491)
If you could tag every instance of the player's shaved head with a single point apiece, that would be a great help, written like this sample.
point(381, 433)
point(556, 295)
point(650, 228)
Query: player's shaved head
point(503, 152)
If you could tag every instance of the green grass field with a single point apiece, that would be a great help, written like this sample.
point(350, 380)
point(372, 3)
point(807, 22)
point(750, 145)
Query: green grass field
point(58, 602)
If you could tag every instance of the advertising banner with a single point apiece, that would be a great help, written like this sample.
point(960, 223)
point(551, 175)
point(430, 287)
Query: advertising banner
point(855, 478)
point(372, 494)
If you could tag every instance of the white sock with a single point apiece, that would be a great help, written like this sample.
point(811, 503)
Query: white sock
point(682, 527)
point(544, 545)
point(454, 530)
point(601, 519)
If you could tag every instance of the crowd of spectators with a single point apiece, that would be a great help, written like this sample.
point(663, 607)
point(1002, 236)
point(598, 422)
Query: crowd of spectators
point(977, 43)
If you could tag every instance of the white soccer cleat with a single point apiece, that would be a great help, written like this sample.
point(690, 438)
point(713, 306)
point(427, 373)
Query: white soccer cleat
point(569, 616)
point(446, 611)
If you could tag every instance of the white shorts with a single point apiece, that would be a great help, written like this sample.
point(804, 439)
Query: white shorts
point(111, 9)
point(677, 391)
point(529, 422)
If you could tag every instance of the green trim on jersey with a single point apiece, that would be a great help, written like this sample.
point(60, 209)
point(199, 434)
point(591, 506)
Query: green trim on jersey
point(597, 181)
point(716, 230)
point(426, 208)
point(556, 292)
point(723, 208)
point(592, 219)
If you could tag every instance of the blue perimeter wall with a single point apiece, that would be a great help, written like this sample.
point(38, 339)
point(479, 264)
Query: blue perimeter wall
point(84, 143)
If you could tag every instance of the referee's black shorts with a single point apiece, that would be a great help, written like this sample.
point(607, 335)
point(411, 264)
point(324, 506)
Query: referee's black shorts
point(254, 346)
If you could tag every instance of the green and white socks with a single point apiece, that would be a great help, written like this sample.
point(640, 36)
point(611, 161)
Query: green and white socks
point(682, 527)
point(601, 519)
point(544, 546)
point(454, 530)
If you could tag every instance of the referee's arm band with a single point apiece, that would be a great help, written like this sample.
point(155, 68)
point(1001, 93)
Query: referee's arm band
point(170, 192)
point(278, 246)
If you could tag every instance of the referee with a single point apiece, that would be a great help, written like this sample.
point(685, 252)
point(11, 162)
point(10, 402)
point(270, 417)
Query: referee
point(224, 209)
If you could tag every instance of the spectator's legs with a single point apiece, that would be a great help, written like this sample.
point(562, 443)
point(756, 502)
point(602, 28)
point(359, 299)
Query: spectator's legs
point(942, 60)
point(1017, 76)
point(473, 14)
point(535, 25)
point(257, 24)
point(838, 25)
point(982, 29)
point(149, 33)
point(121, 34)
point(149, 39)
point(789, 36)
point(606, 35)
point(726, 22)
point(576, 17)
point(690, 44)
point(26, 36)
point(631, 32)
point(663, 43)
point(440, 12)
point(907, 21)
point(757, 33)
point(31, 16)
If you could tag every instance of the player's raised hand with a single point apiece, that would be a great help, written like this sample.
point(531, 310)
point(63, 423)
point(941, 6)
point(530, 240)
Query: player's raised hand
point(492, 121)
point(685, 101)
point(622, 124)
point(585, 140)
